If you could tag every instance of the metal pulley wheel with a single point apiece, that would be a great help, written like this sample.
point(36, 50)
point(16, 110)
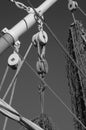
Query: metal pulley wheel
point(14, 60)
point(72, 5)
point(42, 67)
point(40, 37)
point(43, 38)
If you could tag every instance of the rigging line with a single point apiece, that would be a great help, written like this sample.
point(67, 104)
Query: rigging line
point(45, 82)
point(42, 102)
point(81, 11)
point(57, 40)
point(4, 77)
point(18, 70)
point(66, 52)
point(49, 89)
point(74, 18)
point(42, 94)
point(48, 85)
point(57, 96)
point(10, 102)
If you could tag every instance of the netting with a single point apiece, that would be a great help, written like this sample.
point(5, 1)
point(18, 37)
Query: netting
point(44, 122)
point(77, 83)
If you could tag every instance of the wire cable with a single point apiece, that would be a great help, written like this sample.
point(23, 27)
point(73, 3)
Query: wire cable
point(57, 40)
point(18, 70)
point(82, 11)
point(4, 77)
point(54, 93)
point(64, 50)
point(10, 103)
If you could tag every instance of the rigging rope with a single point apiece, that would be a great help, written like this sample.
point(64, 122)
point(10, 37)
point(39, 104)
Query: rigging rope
point(42, 93)
point(53, 92)
point(4, 77)
point(81, 11)
point(40, 40)
point(10, 103)
point(65, 51)
point(18, 70)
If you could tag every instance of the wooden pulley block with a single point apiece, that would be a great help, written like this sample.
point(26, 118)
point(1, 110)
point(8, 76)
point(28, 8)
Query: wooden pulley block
point(43, 38)
point(42, 67)
point(72, 5)
point(14, 60)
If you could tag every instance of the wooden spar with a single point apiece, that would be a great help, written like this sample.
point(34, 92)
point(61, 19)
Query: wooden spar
point(25, 24)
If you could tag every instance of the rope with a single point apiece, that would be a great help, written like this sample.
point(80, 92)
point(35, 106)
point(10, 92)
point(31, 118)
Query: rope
point(74, 18)
point(42, 102)
point(66, 52)
point(10, 102)
point(18, 70)
point(42, 93)
point(4, 77)
point(56, 95)
point(81, 11)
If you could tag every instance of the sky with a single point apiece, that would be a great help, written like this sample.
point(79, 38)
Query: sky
point(26, 98)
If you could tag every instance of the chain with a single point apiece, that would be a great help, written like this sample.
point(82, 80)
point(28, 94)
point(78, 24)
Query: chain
point(22, 6)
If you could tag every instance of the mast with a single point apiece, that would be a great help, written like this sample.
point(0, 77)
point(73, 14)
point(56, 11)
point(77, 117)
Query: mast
point(25, 24)
point(76, 47)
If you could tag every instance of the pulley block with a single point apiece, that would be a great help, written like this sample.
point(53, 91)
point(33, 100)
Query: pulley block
point(14, 60)
point(72, 5)
point(42, 67)
point(41, 38)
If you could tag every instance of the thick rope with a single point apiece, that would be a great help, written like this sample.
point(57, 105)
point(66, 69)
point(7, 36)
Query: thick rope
point(10, 103)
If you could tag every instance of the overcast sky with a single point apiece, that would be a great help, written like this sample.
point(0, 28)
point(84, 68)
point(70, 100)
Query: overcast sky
point(26, 98)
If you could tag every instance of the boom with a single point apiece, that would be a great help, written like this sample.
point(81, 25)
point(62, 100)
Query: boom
point(25, 24)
